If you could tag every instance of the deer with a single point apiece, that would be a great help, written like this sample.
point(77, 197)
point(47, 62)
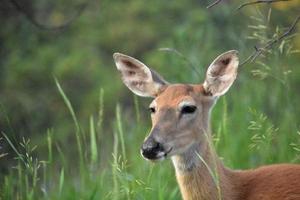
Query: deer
point(180, 115)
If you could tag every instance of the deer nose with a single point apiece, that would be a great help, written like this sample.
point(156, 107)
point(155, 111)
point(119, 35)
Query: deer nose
point(151, 148)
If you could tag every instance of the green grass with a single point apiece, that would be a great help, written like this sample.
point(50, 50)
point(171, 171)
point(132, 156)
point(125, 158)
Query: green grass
point(108, 165)
point(256, 123)
point(81, 177)
point(125, 174)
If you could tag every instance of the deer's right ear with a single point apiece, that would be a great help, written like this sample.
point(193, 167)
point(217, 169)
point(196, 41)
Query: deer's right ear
point(138, 77)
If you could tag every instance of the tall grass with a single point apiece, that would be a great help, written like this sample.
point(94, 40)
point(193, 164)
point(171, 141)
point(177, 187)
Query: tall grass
point(77, 131)
point(129, 176)
point(56, 177)
point(256, 123)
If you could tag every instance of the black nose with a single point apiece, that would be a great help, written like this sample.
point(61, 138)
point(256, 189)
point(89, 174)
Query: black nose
point(151, 148)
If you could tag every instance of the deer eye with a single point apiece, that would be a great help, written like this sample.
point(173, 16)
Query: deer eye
point(188, 109)
point(152, 110)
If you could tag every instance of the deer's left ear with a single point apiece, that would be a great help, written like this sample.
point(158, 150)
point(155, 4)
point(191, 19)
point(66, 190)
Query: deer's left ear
point(221, 73)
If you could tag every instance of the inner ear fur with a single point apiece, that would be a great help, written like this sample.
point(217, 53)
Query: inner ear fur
point(140, 79)
point(221, 73)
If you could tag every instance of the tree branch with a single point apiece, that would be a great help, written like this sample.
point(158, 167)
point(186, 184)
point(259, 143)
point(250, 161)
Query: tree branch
point(190, 64)
point(213, 4)
point(29, 16)
point(259, 50)
point(259, 2)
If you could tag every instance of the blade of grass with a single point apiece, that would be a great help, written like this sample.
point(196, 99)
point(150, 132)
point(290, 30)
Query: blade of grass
point(176, 52)
point(137, 110)
point(216, 174)
point(49, 144)
point(61, 181)
point(44, 186)
point(61, 154)
point(212, 174)
point(115, 168)
point(93, 142)
point(120, 130)
point(100, 112)
point(20, 156)
point(20, 179)
point(126, 187)
point(77, 132)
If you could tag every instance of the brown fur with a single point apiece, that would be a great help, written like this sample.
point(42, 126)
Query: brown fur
point(273, 182)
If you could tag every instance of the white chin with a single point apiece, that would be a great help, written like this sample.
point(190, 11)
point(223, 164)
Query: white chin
point(158, 159)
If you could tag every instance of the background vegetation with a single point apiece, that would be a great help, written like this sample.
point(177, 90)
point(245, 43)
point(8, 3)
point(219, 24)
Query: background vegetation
point(71, 130)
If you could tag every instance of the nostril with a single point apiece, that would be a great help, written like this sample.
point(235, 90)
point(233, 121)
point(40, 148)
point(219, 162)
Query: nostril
point(157, 147)
point(151, 148)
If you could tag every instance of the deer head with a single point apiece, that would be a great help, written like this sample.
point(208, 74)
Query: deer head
point(179, 112)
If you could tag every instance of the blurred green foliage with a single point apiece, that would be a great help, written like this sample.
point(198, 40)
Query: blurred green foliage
point(258, 121)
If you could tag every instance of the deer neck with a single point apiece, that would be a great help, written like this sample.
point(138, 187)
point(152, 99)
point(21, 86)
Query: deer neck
point(193, 176)
point(195, 180)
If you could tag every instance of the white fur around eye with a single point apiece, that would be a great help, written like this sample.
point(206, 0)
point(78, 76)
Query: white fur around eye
point(186, 103)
